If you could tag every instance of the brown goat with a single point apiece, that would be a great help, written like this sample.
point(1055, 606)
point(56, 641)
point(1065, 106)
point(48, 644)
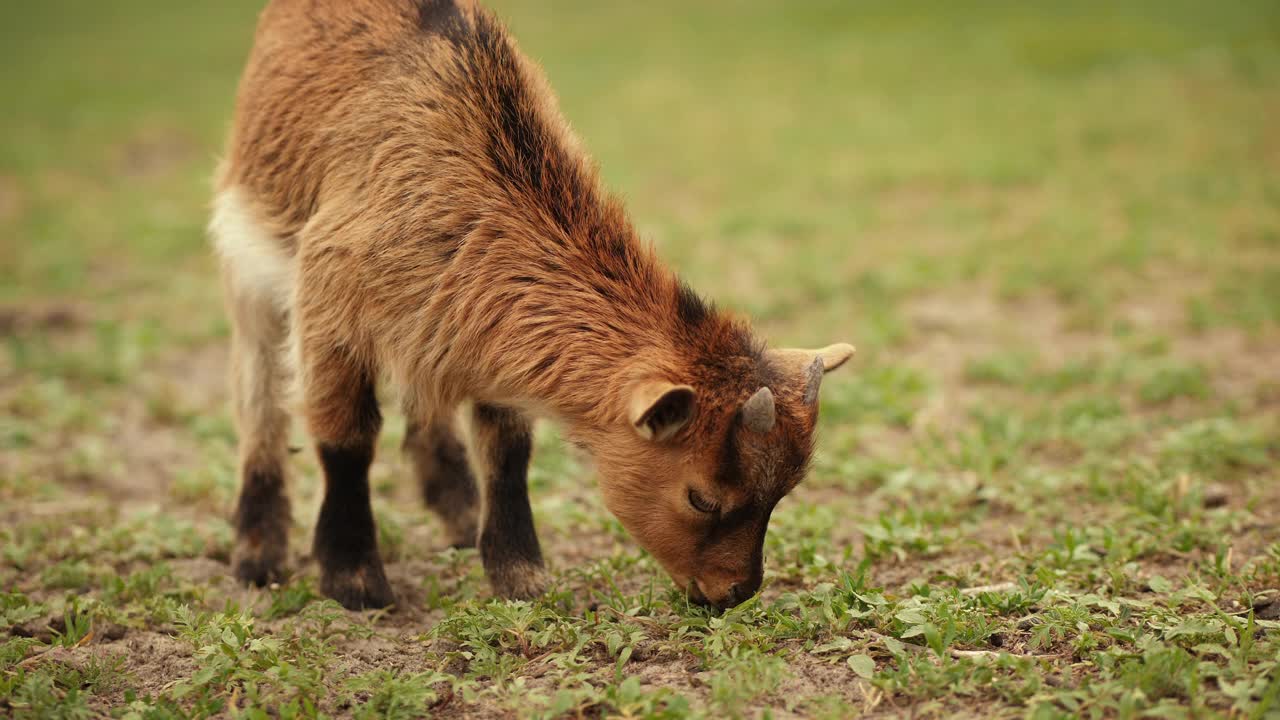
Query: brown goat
point(402, 199)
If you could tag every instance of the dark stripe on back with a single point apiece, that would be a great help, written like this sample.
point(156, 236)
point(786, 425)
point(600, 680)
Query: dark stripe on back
point(522, 148)
point(690, 308)
point(443, 18)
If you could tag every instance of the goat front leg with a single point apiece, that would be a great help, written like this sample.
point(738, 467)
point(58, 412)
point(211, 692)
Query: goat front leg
point(342, 411)
point(499, 444)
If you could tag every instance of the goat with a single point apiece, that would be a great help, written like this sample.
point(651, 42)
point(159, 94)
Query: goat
point(401, 199)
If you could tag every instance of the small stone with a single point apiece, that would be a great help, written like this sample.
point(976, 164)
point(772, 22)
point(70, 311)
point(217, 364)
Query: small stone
point(1215, 496)
point(1267, 611)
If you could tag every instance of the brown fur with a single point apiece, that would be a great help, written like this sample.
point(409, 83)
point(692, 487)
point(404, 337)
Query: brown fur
point(444, 228)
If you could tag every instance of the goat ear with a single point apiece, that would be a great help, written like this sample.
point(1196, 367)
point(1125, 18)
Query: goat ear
point(659, 409)
point(808, 366)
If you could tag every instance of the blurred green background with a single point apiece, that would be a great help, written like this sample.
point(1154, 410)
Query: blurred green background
point(780, 153)
point(1052, 229)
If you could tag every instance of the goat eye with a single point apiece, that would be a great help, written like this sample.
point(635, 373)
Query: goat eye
point(700, 503)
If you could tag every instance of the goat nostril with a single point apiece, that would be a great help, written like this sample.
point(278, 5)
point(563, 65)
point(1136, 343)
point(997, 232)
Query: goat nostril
point(741, 592)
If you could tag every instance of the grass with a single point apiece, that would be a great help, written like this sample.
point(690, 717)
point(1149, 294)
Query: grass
point(1046, 488)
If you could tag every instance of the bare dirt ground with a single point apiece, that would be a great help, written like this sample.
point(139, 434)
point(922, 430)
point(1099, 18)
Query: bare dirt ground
point(956, 329)
point(1046, 486)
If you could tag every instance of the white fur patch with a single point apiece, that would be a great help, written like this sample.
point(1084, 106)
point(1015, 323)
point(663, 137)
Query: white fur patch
point(260, 270)
point(257, 262)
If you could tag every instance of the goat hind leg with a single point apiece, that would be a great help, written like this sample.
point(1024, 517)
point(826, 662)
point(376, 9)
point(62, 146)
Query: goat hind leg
point(440, 465)
point(258, 387)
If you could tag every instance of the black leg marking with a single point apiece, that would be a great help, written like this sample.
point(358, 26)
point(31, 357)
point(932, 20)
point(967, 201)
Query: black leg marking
point(508, 542)
point(262, 526)
point(448, 487)
point(346, 542)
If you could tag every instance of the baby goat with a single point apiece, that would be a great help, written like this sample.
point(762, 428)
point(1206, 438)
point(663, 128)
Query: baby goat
point(402, 199)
